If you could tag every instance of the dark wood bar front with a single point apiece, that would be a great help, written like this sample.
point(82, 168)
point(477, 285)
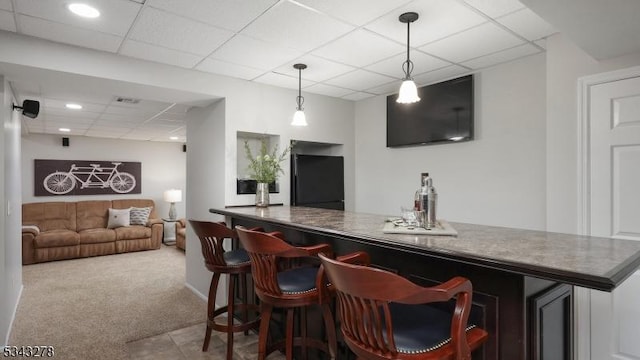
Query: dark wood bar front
point(523, 280)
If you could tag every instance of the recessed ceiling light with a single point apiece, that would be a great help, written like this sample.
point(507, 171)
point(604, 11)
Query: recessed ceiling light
point(64, 129)
point(73, 106)
point(456, 138)
point(173, 138)
point(84, 10)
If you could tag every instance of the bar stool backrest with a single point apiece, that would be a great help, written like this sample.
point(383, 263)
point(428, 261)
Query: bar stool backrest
point(212, 235)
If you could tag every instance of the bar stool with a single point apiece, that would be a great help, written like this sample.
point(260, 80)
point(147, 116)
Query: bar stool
point(383, 317)
point(236, 264)
point(291, 288)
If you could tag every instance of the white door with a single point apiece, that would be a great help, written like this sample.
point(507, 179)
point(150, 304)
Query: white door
point(613, 172)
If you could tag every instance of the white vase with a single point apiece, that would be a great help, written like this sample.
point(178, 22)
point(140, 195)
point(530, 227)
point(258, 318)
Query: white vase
point(262, 195)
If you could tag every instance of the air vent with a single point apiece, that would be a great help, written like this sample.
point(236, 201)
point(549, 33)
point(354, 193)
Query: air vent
point(127, 100)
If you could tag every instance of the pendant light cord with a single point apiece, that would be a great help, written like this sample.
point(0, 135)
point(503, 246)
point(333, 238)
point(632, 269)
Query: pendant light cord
point(408, 63)
point(300, 99)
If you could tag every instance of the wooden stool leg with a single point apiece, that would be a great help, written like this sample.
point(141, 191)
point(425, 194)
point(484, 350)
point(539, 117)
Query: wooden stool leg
point(303, 331)
point(243, 295)
point(289, 335)
point(211, 307)
point(230, 310)
point(265, 317)
point(330, 328)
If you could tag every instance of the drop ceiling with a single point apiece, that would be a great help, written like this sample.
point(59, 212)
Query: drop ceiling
point(354, 49)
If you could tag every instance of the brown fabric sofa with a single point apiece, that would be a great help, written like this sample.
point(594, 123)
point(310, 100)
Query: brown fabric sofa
point(181, 234)
point(67, 230)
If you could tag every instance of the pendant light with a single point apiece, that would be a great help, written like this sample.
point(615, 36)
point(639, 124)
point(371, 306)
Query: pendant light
point(299, 119)
point(408, 90)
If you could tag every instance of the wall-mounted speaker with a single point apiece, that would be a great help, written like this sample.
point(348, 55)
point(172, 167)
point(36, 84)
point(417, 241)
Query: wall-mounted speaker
point(184, 148)
point(65, 141)
point(30, 108)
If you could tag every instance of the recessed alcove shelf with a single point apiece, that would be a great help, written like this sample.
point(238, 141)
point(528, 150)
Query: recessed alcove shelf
point(244, 184)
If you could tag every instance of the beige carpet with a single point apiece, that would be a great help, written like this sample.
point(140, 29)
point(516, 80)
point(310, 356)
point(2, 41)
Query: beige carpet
point(90, 308)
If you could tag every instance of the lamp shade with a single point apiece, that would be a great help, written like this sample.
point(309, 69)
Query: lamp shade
point(299, 119)
point(408, 93)
point(173, 196)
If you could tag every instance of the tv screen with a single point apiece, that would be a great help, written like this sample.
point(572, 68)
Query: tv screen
point(444, 114)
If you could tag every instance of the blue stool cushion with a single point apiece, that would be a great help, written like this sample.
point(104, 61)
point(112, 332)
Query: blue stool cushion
point(420, 328)
point(236, 257)
point(297, 281)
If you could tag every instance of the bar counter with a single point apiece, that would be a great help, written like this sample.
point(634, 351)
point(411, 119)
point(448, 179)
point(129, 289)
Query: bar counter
point(522, 278)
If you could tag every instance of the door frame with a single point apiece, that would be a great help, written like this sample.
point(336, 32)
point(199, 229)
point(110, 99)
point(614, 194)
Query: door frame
point(582, 302)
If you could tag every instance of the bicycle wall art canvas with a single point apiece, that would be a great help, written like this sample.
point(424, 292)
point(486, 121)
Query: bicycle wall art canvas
point(83, 177)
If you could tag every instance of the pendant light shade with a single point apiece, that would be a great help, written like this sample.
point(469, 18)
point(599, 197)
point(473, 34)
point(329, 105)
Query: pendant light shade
point(299, 119)
point(408, 91)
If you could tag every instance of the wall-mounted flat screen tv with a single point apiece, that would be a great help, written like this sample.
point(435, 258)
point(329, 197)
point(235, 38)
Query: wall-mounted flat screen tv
point(444, 114)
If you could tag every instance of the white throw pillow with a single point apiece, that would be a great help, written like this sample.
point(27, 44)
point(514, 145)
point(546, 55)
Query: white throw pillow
point(118, 218)
point(140, 216)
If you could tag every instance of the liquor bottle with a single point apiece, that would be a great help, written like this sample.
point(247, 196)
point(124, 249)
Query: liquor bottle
point(432, 202)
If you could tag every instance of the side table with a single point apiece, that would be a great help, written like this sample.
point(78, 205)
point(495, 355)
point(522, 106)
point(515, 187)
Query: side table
point(169, 229)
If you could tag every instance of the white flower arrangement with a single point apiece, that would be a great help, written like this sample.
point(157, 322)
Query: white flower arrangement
point(265, 167)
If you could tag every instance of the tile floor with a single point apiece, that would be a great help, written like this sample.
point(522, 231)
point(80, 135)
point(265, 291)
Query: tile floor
point(183, 344)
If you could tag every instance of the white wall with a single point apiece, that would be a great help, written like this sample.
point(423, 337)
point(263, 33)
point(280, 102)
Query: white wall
point(496, 179)
point(205, 178)
point(10, 220)
point(565, 64)
point(163, 165)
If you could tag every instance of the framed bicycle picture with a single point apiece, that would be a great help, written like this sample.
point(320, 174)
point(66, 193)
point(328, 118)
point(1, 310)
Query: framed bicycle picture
point(84, 177)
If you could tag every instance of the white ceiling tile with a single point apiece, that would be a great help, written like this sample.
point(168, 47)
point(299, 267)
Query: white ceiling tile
point(6, 21)
point(296, 27)
point(359, 48)
point(175, 32)
point(280, 80)
point(357, 12)
point(502, 56)
point(116, 16)
point(472, 43)
point(318, 69)
point(440, 75)
point(178, 109)
point(438, 19)
point(105, 124)
point(159, 54)
point(328, 90)
point(61, 105)
point(70, 113)
point(359, 80)
point(495, 8)
point(120, 118)
point(390, 88)
point(421, 62)
point(168, 123)
point(134, 113)
point(68, 34)
point(229, 14)
point(215, 66)
point(6, 5)
point(247, 51)
point(541, 42)
point(527, 24)
point(356, 96)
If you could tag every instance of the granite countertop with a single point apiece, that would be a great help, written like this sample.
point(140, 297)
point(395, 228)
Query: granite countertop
point(597, 263)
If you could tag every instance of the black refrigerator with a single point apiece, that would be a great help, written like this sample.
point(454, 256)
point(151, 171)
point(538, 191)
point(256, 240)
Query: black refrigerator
point(317, 181)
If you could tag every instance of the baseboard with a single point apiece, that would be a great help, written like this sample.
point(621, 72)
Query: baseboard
point(13, 317)
point(195, 291)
